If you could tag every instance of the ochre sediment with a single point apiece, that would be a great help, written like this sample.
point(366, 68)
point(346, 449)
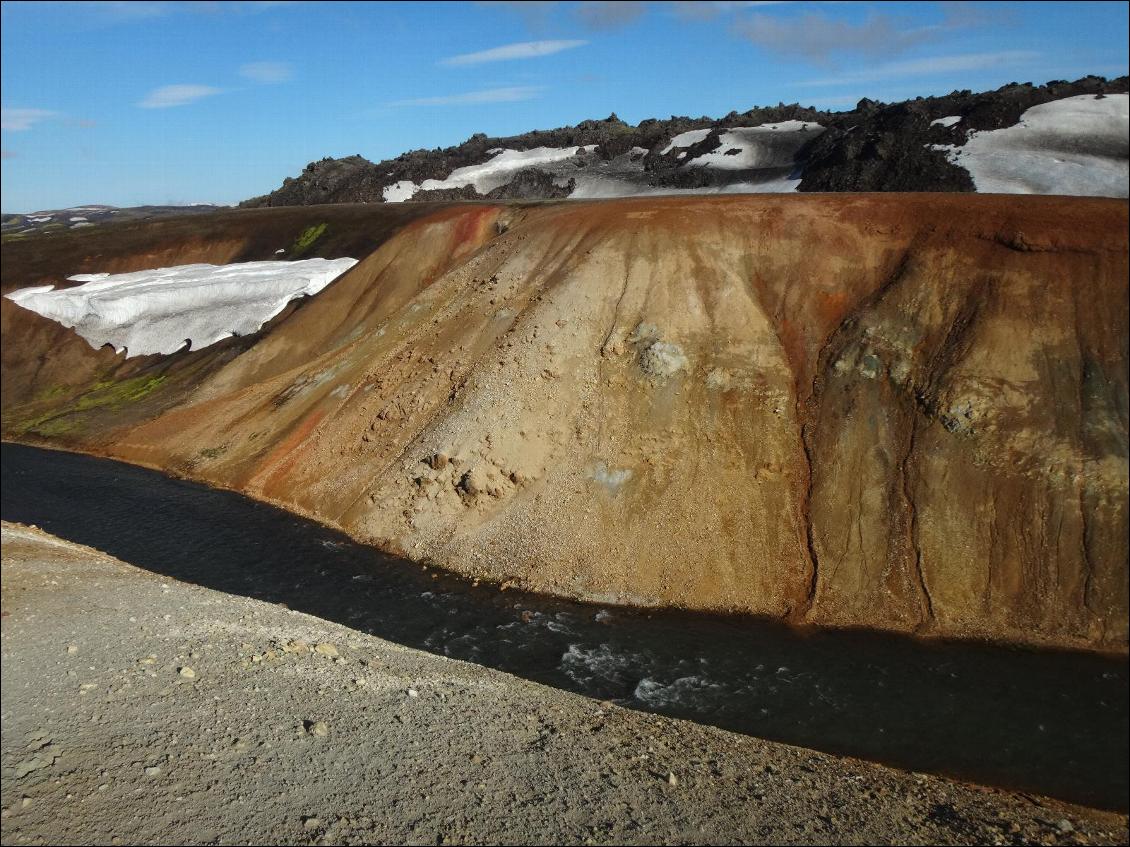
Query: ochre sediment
point(905, 412)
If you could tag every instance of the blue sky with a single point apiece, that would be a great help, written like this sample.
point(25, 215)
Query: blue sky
point(169, 102)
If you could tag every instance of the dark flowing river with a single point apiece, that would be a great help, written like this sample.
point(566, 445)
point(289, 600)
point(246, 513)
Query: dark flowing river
point(1049, 722)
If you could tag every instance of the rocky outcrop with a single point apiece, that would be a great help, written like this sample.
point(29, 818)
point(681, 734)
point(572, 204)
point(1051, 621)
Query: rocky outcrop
point(887, 411)
point(874, 147)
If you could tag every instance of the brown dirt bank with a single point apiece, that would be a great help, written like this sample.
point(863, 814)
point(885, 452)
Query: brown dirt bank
point(893, 411)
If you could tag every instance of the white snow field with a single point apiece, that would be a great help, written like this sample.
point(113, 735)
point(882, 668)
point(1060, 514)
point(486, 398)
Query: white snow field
point(159, 310)
point(1077, 145)
point(398, 192)
point(685, 139)
point(488, 176)
point(765, 146)
point(592, 187)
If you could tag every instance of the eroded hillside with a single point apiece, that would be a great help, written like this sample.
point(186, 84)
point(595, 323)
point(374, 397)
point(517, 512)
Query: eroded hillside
point(901, 411)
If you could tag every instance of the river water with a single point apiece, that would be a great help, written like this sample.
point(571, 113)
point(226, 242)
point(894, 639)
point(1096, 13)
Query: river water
point(1049, 722)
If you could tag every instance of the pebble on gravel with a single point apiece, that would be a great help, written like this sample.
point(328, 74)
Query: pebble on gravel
point(319, 729)
point(187, 672)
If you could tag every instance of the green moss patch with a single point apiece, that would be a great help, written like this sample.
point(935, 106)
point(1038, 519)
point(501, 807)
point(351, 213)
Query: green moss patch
point(306, 240)
point(105, 394)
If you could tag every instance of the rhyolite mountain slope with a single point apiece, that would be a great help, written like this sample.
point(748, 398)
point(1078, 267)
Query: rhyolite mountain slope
point(905, 412)
point(916, 145)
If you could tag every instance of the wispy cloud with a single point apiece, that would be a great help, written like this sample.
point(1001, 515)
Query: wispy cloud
point(816, 37)
point(521, 50)
point(705, 10)
point(610, 14)
point(18, 120)
point(127, 10)
point(267, 72)
point(177, 95)
point(512, 94)
point(932, 65)
point(124, 11)
point(596, 15)
point(535, 13)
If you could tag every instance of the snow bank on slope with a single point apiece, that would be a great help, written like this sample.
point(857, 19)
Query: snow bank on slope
point(765, 146)
point(685, 139)
point(594, 187)
point(156, 311)
point(1077, 145)
point(488, 176)
point(398, 192)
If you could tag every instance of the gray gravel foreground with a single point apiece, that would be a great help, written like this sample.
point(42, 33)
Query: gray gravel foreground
point(139, 709)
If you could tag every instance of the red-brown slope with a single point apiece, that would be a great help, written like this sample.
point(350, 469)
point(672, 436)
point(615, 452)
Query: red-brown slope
point(896, 411)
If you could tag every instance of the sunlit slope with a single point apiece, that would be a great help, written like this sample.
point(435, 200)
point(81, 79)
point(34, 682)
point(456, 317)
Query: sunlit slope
point(893, 411)
point(56, 386)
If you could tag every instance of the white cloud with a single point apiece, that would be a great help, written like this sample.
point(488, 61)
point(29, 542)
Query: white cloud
point(816, 36)
point(609, 14)
point(707, 9)
point(521, 50)
point(488, 95)
point(932, 65)
point(125, 11)
point(17, 120)
point(267, 72)
point(176, 95)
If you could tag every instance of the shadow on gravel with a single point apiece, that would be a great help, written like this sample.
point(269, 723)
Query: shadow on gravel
point(1049, 722)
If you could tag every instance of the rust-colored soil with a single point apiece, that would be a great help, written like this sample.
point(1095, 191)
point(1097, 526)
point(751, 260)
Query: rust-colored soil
point(894, 411)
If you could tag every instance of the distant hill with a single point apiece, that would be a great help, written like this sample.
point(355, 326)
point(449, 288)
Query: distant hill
point(1058, 138)
point(78, 217)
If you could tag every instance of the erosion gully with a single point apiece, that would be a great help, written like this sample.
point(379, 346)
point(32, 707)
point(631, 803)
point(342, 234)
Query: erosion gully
point(1046, 722)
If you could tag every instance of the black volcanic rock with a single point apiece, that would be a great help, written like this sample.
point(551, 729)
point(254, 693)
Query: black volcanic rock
point(889, 151)
point(887, 147)
point(874, 147)
point(532, 184)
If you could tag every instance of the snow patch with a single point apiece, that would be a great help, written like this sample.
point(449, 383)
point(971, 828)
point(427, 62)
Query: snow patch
point(595, 186)
point(764, 146)
point(157, 311)
point(489, 175)
point(947, 121)
point(398, 192)
point(1076, 146)
point(685, 139)
point(498, 171)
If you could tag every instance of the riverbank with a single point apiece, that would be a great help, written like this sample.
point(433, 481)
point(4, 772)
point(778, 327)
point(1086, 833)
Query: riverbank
point(144, 709)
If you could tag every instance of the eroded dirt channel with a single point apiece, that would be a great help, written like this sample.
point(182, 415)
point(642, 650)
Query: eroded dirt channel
point(1049, 722)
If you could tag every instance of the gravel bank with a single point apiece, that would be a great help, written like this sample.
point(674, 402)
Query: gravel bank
point(138, 709)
